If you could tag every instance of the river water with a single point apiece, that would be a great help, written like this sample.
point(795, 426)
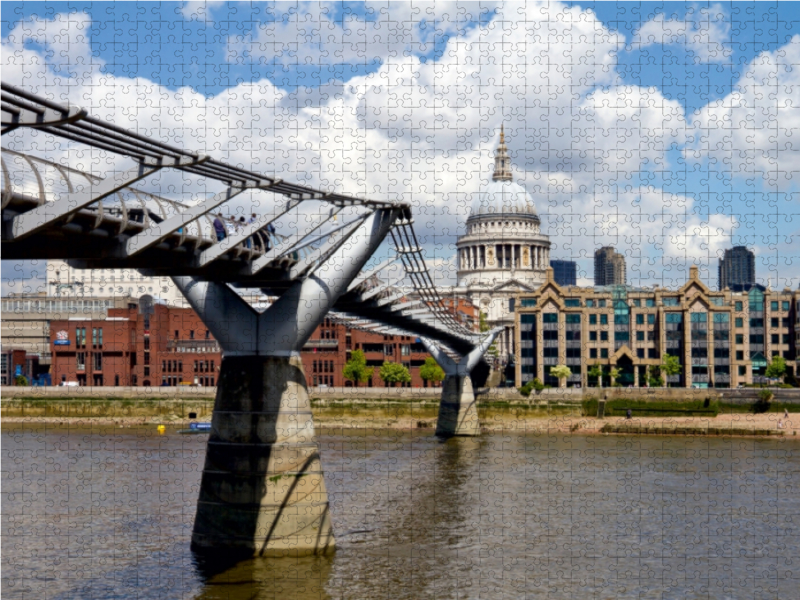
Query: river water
point(107, 513)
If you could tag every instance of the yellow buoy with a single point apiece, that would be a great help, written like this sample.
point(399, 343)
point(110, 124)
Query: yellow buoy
point(161, 429)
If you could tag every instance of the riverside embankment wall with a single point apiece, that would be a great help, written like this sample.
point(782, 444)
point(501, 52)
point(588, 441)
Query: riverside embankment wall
point(178, 403)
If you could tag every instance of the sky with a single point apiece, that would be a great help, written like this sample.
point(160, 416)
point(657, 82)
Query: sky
point(668, 130)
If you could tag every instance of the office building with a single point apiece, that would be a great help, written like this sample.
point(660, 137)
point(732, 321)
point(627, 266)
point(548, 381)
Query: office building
point(609, 267)
point(565, 272)
point(737, 269)
point(721, 339)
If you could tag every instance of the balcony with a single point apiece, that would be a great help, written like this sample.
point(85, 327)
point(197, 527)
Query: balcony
point(321, 344)
point(195, 346)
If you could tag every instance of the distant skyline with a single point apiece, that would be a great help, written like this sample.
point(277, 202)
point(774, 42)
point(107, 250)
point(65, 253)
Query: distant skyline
point(666, 130)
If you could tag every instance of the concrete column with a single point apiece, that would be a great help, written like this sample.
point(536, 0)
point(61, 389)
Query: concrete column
point(458, 409)
point(263, 490)
point(635, 375)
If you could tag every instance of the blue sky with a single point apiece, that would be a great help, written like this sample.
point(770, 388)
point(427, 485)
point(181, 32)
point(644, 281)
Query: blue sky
point(664, 129)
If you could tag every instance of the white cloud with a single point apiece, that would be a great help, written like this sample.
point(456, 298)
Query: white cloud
point(199, 10)
point(754, 130)
point(704, 32)
point(424, 131)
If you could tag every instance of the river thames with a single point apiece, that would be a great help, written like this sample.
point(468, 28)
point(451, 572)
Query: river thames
point(107, 513)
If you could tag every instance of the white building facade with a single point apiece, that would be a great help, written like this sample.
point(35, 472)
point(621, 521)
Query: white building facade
point(503, 251)
point(67, 282)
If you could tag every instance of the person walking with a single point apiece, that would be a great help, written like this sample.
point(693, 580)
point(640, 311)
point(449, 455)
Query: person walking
point(219, 227)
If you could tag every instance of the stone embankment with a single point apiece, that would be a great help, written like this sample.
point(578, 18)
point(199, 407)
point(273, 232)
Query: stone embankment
point(548, 412)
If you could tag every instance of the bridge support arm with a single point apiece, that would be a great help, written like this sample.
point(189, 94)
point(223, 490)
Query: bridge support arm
point(458, 409)
point(263, 490)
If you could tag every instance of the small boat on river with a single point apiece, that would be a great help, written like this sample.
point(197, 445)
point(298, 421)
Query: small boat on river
point(197, 428)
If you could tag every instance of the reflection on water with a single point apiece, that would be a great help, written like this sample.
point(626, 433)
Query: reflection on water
point(107, 513)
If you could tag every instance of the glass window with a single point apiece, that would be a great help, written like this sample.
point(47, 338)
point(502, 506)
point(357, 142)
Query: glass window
point(776, 338)
point(593, 353)
point(740, 338)
point(572, 302)
point(651, 319)
point(622, 319)
point(650, 302)
point(785, 305)
point(640, 353)
point(740, 355)
point(592, 319)
point(573, 318)
point(699, 318)
point(739, 322)
point(590, 303)
point(603, 336)
point(550, 317)
point(756, 299)
point(603, 352)
point(739, 306)
point(717, 300)
point(722, 318)
point(674, 318)
point(637, 303)
point(592, 336)
point(528, 302)
point(640, 336)
point(621, 336)
point(670, 301)
point(742, 370)
point(640, 319)
point(773, 322)
point(601, 303)
point(773, 305)
point(603, 319)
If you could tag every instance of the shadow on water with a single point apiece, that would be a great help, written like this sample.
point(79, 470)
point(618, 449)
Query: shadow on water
point(240, 578)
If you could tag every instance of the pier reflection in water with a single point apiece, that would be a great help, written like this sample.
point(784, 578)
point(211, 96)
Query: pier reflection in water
point(107, 513)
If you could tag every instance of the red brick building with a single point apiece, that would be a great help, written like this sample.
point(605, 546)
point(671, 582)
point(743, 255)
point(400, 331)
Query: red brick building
point(155, 344)
point(152, 344)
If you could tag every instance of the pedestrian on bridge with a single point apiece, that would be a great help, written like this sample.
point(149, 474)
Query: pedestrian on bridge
point(219, 227)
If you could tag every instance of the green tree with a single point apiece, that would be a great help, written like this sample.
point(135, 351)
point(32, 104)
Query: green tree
point(356, 369)
point(393, 373)
point(776, 368)
point(597, 371)
point(431, 371)
point(21, 380)
point(654, 378)
point(614, 374)
point(560, 372)
point(483, 325)
point(671, 365)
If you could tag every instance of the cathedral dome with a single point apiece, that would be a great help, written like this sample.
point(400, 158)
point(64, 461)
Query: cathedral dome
point(503, 196)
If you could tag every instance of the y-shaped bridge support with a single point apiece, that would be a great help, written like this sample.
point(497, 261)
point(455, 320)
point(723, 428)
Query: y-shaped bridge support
point(458, 411)
point(263, 491)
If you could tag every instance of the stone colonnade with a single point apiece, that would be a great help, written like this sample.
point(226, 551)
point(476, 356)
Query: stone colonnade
point(504, 256)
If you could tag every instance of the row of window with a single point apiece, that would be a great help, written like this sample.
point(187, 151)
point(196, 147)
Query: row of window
point(775, 305)
point(71, 305)
point(322, 366)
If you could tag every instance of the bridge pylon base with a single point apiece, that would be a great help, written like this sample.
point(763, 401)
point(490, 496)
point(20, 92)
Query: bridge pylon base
point(263, 490)
point(458, 409)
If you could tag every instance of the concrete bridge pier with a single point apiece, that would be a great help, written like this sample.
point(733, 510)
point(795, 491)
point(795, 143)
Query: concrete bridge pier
point(458, 408)
point(263, 491)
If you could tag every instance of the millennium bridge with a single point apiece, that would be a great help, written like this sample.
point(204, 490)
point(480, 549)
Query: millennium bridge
point(263, 490)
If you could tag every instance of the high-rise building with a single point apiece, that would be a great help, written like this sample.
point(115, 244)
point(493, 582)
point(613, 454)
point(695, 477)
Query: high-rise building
point(609, 267)
point(565, 272)
point(737, 268)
